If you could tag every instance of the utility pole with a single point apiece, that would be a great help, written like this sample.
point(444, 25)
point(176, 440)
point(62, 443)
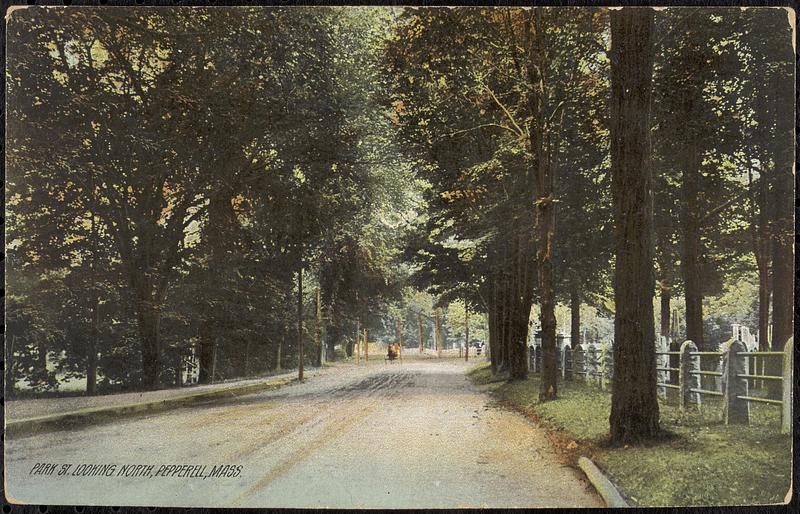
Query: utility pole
point(466, 332)
point(400, 339)
point(438, 330)
point(419, 328)
point(366, 348)
point(357, 343)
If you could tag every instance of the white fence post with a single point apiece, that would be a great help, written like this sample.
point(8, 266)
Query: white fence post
point(736, 410)
point(579, 363)
point(687, 380)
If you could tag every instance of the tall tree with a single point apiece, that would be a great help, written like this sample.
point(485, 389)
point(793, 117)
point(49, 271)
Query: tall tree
point(634, 404)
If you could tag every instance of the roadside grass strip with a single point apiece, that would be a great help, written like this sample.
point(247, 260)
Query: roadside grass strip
point(699, 461)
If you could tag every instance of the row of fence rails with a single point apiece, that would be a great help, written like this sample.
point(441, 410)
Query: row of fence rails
point(757, 363)
point(736, 385)
point(663, 368)
point(666, 370)
point(730, 380)
point(564, 360)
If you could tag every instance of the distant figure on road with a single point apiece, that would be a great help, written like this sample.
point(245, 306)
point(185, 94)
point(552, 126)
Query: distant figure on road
point(391, 354)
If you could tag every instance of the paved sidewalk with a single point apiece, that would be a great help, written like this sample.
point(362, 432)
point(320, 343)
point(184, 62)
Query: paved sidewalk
point(16, 410)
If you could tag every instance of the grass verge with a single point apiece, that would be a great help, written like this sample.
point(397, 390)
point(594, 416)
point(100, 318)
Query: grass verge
point(700, 461)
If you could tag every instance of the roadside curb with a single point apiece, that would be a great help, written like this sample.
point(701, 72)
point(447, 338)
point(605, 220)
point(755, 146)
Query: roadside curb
point(66, 420)
point(605, 488)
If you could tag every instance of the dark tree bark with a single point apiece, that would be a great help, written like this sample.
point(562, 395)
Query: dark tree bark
point(217, 233)
point(334, 335)
point(91, 363)
point(279, 350)
point(466, 331)
point(634, 404)
point(520, 300)
point(690, 259)
point(494, 344)
point(318, 332)
point(759, 227)
point(94, 330)
point(543, 136)
point(205, 355)
point(782, 198)
point(575, 317)
point(665, 296)
point(148, 318)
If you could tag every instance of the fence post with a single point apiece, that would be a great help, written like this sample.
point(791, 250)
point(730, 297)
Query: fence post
point(607, 365)
point(567, 362)
point(736, 410)
point(788, 383)
point(578, 362)
point(559, 360)
point(592, 363)
point(662, 361)
point(686, 379)
point(531, 364)
point(538, 359)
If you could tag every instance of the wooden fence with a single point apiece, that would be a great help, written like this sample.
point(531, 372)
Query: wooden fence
point(725, 374)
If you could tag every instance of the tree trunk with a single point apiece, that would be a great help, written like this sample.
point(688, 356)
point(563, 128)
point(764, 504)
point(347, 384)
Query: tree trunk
point(94, 330)
point(575, 317)
point(41, 349)
point(665, 296)
point(466, 331)
point(634, 404)
point(246, 363)
point(366, 347)
point(206, 356)
point(419, 330)
point(334, 335)
point(148, 315)
point(782, 197)
point(438, 331)
point(279, 350)
point(520, 299)
point(318, 332)
point(300, 355)
point(357, 342)
point(760, 239)
point(692, 275)
point(545, 224)
point(493, 346)
point(91, 362)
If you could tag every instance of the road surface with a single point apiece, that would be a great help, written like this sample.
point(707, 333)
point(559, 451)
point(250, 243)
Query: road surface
point(411, 435)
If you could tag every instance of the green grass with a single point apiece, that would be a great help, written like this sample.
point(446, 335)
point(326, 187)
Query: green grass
point(700, 461)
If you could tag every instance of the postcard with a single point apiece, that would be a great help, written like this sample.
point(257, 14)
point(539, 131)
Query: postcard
point(399, 257)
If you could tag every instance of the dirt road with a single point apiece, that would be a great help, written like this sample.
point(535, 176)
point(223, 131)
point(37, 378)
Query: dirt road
point(416, 434)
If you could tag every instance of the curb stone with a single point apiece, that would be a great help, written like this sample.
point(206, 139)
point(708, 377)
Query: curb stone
point(605, 488)
point(40, 424)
